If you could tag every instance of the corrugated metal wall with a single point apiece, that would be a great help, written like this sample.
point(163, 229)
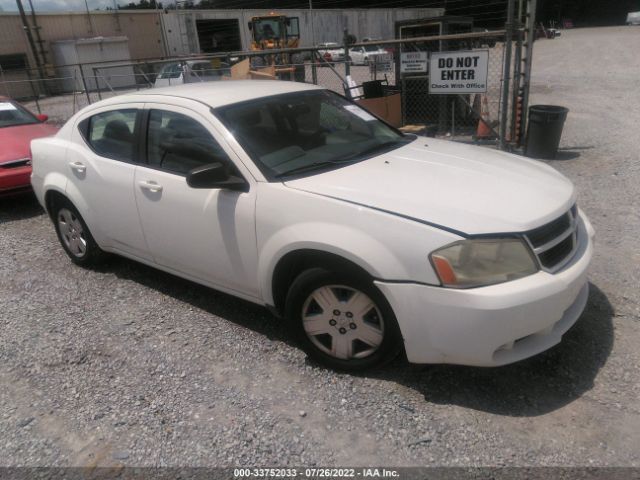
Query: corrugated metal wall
point(316, 26)
point(146, 29)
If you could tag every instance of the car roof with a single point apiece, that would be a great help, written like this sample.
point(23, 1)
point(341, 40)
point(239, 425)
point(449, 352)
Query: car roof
point(217, 94)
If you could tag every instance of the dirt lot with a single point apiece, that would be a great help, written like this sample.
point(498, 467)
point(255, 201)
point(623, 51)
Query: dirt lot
point(127, 365)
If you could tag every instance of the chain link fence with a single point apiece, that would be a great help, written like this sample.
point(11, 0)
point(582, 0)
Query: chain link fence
point(363, 71)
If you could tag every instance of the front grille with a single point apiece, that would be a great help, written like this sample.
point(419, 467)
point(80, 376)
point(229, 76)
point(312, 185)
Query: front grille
point(555, 242)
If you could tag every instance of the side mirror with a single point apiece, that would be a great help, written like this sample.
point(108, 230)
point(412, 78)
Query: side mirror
point(42, 117)
point(216, 175)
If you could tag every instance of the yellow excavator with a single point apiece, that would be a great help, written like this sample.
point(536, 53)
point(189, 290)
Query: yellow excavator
point(276, 32)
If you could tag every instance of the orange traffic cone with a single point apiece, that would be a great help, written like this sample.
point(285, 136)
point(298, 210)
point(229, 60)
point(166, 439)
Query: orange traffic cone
point(484, 131)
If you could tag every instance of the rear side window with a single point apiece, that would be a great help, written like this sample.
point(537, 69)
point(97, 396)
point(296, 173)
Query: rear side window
point(111, 134)
point(177, 143)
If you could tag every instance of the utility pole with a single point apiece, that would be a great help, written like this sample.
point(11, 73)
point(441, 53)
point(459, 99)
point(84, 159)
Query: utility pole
point(32, 44)
point(92, 30)
point(43, 55)
point(115, 15)
point(313, 30)
point(506, 75)
point(530, 29)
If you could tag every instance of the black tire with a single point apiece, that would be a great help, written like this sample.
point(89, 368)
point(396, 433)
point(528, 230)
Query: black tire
point(298, 298)
point(92, 254)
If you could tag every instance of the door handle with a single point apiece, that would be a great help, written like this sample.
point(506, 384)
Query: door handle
point(150, 185)
point(78, 167)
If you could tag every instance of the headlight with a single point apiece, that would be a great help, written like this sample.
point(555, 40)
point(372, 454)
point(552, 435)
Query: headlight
point(477, 263)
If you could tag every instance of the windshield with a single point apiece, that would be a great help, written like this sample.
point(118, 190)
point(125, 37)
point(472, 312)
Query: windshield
point(308, 131)
point(12, 114)
point(266, 29)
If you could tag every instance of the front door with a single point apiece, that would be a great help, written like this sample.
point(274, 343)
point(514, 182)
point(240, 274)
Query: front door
point(206, 234)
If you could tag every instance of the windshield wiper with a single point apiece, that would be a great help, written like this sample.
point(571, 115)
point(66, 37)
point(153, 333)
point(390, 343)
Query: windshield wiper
point(310, 166)
point(349, 158)
point(373, 149)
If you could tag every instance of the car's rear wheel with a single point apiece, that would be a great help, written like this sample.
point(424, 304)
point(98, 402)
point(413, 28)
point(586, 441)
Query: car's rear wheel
point(342, 320)
point(74, 235)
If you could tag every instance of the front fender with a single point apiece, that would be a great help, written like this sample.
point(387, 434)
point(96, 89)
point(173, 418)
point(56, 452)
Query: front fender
point(387, 246)
point(344, 241)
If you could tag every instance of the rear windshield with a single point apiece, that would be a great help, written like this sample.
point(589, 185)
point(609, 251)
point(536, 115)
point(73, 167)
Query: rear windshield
point(173, 70)
point(12, 114)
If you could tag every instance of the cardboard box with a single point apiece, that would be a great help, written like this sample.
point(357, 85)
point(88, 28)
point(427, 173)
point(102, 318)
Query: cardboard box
point(388, 108)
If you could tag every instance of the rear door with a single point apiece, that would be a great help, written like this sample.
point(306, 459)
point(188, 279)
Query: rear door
point(101, 162)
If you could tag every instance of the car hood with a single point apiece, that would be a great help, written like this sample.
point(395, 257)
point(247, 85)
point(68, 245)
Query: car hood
point(16, 140)
point(467, 189)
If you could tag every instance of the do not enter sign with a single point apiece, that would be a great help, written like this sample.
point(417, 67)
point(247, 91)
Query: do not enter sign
point(458, 72)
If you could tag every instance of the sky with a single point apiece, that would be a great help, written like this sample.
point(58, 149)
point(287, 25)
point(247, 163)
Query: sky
point(57, 5)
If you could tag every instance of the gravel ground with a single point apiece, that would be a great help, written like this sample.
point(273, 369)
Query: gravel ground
point(128, 365)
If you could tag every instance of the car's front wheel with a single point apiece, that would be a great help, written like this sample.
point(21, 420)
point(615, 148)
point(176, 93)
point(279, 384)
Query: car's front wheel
point(74, 235)
point(342, 320)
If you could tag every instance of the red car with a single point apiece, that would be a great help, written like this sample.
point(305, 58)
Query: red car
point(18, 126)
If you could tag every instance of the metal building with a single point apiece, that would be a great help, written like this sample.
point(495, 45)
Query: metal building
point(17, 62)
point(196, 31)
point(155, 34)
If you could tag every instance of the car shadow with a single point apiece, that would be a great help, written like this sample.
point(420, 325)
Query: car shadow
point(19, 207)
point(528, 388)
point(563, 155)
point(571, 153)
point(234, 309)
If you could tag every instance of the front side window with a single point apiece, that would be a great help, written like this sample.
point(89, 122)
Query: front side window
point(304, 131)
point(111, 134)
point(177, 143)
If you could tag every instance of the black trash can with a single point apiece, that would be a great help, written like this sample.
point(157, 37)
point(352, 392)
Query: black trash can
point(544, 131)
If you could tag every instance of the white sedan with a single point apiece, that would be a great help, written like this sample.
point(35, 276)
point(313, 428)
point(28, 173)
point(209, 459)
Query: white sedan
point(369, 242)
point(365, 54)
point(331, 52)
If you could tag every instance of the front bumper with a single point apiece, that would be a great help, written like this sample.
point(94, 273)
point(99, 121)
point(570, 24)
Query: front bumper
point(495, 325)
